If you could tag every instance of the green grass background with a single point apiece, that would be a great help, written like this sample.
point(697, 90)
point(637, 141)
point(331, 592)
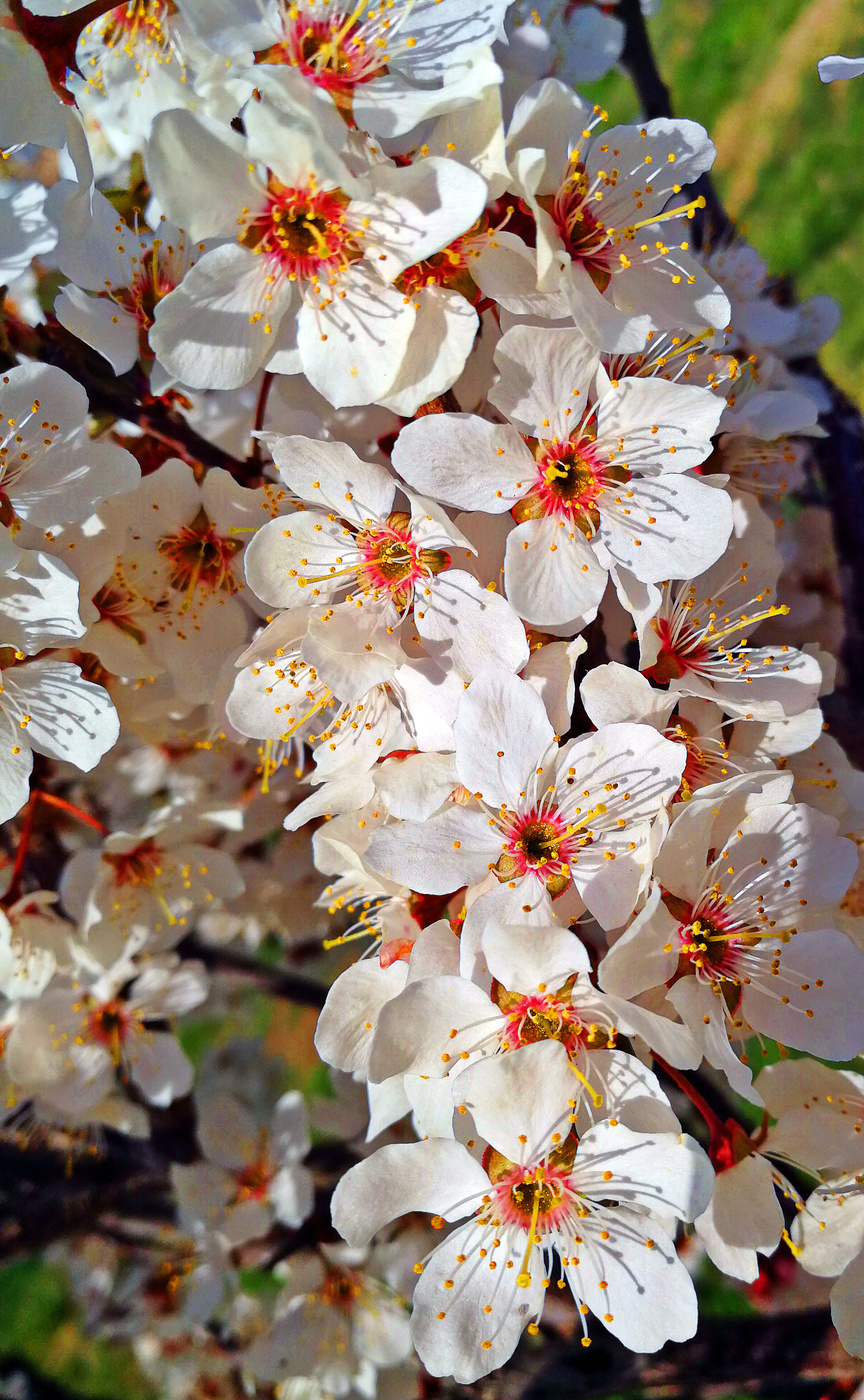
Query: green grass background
point(790, 168)
point(790, 149)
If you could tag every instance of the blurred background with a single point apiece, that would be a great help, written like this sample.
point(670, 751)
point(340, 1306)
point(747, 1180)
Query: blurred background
point(790, 150)
point(790, 169)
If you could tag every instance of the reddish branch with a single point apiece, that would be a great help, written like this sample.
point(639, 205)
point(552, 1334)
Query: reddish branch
point(55, 38)
point(51, 800)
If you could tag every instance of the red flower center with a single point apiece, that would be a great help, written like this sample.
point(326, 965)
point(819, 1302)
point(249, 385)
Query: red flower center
point(304, 232)
point(200, 557)
point(336, 51)
point(680, 651)
point(140, 866)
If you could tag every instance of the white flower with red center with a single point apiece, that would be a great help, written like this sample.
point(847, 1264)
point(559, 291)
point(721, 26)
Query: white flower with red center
point(146, 885)
point(50, 471)
point(615, 694)
point(69, 1046)
point(127, 274)
point(281, 698)
point(337, 1324)
point(134, 61)
point(540, 1189)
point(547, 818)
point(394, 563)
point(739, 929)
point(593, 486)
point(137, 36)
point(174, 597)
point(252, 1172)
point(598, 216)
point(444, 295)
point(540, 990)
point(695, 638)
point(386, 64)
point(309, 281)
point(49, 707)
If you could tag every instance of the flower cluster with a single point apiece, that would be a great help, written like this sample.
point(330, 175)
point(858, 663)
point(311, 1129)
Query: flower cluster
point(402, 550)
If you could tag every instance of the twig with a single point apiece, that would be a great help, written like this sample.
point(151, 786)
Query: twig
point(125, 396)
point(254, 458)
point(289, 985)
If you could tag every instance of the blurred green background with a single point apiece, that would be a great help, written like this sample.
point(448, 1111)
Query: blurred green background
point(790, 168)
point(790, 149)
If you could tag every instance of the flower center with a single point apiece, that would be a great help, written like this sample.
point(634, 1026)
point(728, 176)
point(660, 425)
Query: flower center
point(570, 481)
point(117, 606)
point(450, 267)
point(681, 650)
point(141, 30)
point(392, 561)
point(109, 1024)
point(336, 50)
point(583, 234)
point(340, 1288)
point(540, 842)
point(140, 866)
point(550, 1016)
point(710, 943)
point(253, 1181)
point(303, 231)
point(537, 1198)
point(543, 1196)
point(200, 557)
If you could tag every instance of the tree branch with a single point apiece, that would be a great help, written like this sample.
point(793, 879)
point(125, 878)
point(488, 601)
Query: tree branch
point(126, 396)
point(289, 985)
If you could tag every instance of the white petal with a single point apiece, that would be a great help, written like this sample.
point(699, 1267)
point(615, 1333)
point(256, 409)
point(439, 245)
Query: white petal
point(744, 1215)
point(432, 454)
point(331, 476)
point(521, 958)
point(439, 1176)
point(502, 736)
point(468, 627)
point(437, 856)
point(101, 324)
point(635, 1280)
point(552, 574)
point(352, 348)
point(414, 1030)
point(201, 178)
point(454, 1345)
point(345, 1030)
point(543, 372)
point(519, 1100)
point(159, 1067)
point(217, 328)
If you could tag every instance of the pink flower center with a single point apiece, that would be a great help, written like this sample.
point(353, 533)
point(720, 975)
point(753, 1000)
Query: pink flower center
point(711, 941)
point(392, 560)
point(583, 234)
point(681, 650)
point(542, 844)
point(109, 1024)
point(304, 232)
point(570, 481)
point(549, 1016)
point(538, 1199)
point(336, 51)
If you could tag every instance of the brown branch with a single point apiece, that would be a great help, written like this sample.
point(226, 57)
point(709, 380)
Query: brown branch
point(254, 457)
point(289, 985)
point(120, 396)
